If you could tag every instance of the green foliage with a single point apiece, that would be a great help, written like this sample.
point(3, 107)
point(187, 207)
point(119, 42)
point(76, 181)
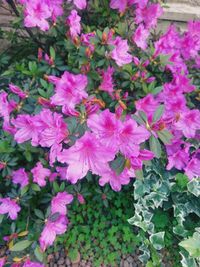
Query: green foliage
point(101, 232)
point(167, 209)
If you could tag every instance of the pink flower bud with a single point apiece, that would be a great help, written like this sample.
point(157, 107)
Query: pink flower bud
point(16, 90)
point(81, 199)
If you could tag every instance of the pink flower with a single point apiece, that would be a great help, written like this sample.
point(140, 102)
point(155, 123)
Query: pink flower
point(53, 129)
point(51, 229)
point(140, 36)
point(149, 15)
point(18, 91)
point(36, 14)
point(62, 171)
point(147, 104)
point(183, 82)
point(106, 127)
point(20, 177)
point(29, 263)
point(178, 159)
point(107, 80)
point(73, 21)
point(70, 90)
point(2, 261)
point(188, 123)
point(6, 107)
point(9, 206)
point(26, 129)
point(59, 202)
point(40, 174)
point(130, 136)
point(140, 3)
point(81, 199)
point(81, 4)
point(192, 170)
point(87, 154)
point(120, 52)
point(115, 181)
point(121, 5)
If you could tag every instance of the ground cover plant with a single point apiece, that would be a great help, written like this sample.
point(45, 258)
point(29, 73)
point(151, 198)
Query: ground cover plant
point(97, 103)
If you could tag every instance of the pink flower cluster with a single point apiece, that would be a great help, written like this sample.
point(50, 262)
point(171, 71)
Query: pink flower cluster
point(58, 225)
point(38, 12)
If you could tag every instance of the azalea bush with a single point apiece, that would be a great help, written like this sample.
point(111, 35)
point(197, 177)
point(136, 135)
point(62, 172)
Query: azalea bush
point(105, 100)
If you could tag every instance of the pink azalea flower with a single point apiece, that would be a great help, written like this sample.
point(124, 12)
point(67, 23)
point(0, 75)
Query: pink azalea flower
point(20, 177)
point(73, 21)
point(56, 8)
point(115, 181)
point(107, 81)
point(121, 5)
point(87, 154)
point(53, 129)
point(178, 159)
point(9, 206)
point(175, 105)
point(18, 91)
point(29, 263)
point(80, 4)
point(188, 123)
point(86, 38)
point(40, 174)
point(192, 170)
point(62, 171)
point(140, 36)
point(106, 127)
point(51, 229)
point(59, 202)
point(2, 261)
point(147, 104)
point(26, 129)
point(140, 3)
point(6, 107)
point(149, 15)
point(183, 82)
point(70, 90)
point(120, 52)
point(130, 136)
point(36, 14)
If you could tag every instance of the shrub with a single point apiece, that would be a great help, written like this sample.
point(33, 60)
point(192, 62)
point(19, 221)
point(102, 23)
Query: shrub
point(105, 99)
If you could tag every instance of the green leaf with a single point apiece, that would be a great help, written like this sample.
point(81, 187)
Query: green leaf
point(38, 254)
point(56, 187)
point(194, 187)
point(155, 146)
point(24, 190)
point(22, 245)
point(165, 136)
point(181, 180)
point(157, 240)
point(52, 53)
point(1, 217)
point(39, 214)
point(158, 113)
point(156, 90)
point(118, 164)
point(143, 115)
point(192, 245)
point(187, 261)
point(35, 187)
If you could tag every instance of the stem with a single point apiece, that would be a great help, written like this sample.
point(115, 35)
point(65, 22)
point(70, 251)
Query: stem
point(14, 8)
